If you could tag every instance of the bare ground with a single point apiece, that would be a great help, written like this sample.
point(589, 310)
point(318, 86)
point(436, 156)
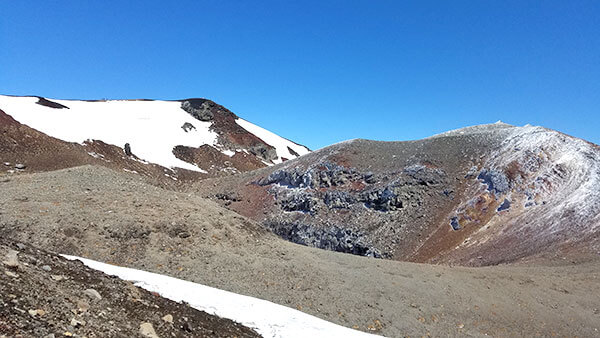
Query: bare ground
point(118, 218)
point(44, 294)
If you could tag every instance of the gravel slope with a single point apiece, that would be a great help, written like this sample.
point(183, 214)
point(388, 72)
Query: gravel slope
point(118, 218)
point(45, 295)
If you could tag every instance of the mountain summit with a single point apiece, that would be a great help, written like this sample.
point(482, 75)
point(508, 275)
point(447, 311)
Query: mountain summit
point(195, 135)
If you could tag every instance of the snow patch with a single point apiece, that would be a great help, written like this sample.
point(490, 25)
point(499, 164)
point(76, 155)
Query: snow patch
point(268, 319)
point(229, 153)
point(152, 128)
point(279, 143)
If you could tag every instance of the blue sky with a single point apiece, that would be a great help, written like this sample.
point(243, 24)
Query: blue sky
point(324, 71)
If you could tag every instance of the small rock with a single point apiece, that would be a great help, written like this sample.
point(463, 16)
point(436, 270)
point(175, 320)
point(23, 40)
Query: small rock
point(7, 164)
point(186, 327)
point(68, 334)
point(11, 274)
point(184, 234)
point(49, 336)
point(147, 330)
point(40, 312)
point(76, 323)
point(46, 268)
point(57, 278)
point(127, 149)
point(21, 246)
point(32, 313)
point(168, 318)
point(11, 259)
point(82, 306)
point(93, 294)
point(20, 166)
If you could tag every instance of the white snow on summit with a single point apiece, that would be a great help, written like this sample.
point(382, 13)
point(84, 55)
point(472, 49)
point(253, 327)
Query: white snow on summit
point(152, 128)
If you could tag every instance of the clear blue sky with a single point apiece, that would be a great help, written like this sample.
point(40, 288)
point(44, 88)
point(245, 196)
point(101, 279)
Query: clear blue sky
point(324, 71)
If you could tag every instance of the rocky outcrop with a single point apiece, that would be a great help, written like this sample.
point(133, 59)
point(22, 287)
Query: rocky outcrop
point(263, 151)
point(324, 175)
point(385, 199)
point(339, 199)
point(496, 180)
point(50, 104)
point(350, 200)
point(199, 109)
point(188, 127)
point(334, 238)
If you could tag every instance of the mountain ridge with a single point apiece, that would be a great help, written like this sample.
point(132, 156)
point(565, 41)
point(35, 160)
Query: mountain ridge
point(185, 134)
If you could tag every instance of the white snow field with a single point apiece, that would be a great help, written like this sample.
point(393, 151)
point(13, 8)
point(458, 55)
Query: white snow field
point(280, 144)
point(268, 319)
point(152, 128)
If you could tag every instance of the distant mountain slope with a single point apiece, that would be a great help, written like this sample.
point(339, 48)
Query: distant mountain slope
point(23, 149)
point(193, 134)
point(476, 196)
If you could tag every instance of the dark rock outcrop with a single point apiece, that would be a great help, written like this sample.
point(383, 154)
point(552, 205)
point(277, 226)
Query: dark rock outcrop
point(199, 109)
point(187, 127)
point(50, 104)
point(334, 238)
point(496, 180)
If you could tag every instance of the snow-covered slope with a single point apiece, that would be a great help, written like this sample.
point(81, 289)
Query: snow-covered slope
point(268, 319)
point(151, 128)
point(282, 145)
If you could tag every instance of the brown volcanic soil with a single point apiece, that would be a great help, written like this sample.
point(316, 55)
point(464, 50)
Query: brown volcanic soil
point(45, 294)
point(118, 218)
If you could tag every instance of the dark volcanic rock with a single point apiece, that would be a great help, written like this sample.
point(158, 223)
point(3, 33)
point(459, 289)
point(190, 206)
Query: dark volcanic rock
point(495, 180)
point(385, 199)
point(199, 109)
point(187, 127)
point(333, 238)
point(425, 175)
point(127, 149)
point(301, 201)
point(50, 104)
point(264, 151)
point(339, 199)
